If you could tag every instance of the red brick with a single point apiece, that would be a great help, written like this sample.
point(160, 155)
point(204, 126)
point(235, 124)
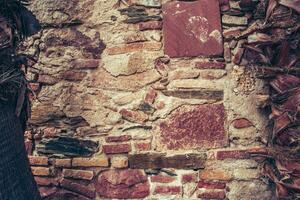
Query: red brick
point(122, 138)
point(235, 154)
point(87, 191)
point(78, 174)
point(211, 185)
point(151, 25)
point(47, 79)
point(85, 64)
point(73, 75)
point(215, 175)
point(38, 160)
point(45, 181)
point(116, 148)
point(63, 162)
point(162, 179)
point(123, 184)
point(167, 190)
point(142, 146)
point(212, 194)
point(210, 65)
point(41, 171)
point(101, 161)
point(189, 178)
point(192, 28)
point(150, 96)
point(241, 123)
point(134, 116)
point(191, 127)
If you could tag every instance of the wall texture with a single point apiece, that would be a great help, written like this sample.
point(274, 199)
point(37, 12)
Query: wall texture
point(144, 99)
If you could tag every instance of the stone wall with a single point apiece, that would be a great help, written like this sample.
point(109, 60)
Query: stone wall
point(144, 99)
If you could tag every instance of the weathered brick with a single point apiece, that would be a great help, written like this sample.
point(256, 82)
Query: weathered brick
point(46, 181)
point(211, 185)
point(215, 175)
point(167, 190)
point(38, 160)
point(73, 75)
point(78, 174)
point(212, 194)
point(116, 148)
point(157, 161)
point(210, 65)
point(85, 64)
point(150, 96)
point(142, 146)
point(151, 25)
point(188, 178)
point(90, 162)
point(87, 191)
point(67, 162)
point(235, 154)
point(41, 171)
point(119, 162)
point(134, 116)
point(121, 138)
point(47, 79)
point(162, 179)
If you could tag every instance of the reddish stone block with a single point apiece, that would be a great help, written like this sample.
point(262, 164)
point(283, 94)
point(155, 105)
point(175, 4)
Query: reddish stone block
point(162, 179)
point(191, 127)
point(211, 185)
point(73, 75)
point(151, 25)
point(134, 116)
point(235, 154)
point(210, 65)
point(212, 194)
point(63, 162)
point(189, 178)
point(142, 146)
point(167, 190)
point(121, 138)
point(43, 181)
point(123, 184)
point(150, 96)
point(41, 171)
point(87, 191)
point(192, 28)
point(241, 123)
point(116, 148)
point(78, 174)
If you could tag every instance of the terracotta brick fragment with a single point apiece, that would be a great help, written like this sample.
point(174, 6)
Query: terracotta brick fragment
point(116, 148)
point(66, 162)
point(41, 171)
point(87, 191)
point(78, 174)
point(38, 160)
point(241, 123)
point(215, 175)
point(101, 161)
point(121, 138)
point(211, 185)
point(134, 116)
point(142, 146)
point(189, 178)
point(45, 181)
point(167, 190)
point(151, 25)
point(162, 179)
point(213, 194)
point(119, 162)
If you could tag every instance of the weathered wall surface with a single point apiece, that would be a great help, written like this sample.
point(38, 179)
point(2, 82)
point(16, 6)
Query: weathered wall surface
point(144, 99)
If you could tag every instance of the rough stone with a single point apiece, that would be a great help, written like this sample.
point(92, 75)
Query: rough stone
point(241, 123)
point(78, 174)
point(123, 184)
point(157, 161)
point(191, 127)
point(192, 28)
point(195, 94)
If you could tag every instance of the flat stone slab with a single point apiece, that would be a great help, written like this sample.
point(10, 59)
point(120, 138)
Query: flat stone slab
point(194, 127)
point(192, 28)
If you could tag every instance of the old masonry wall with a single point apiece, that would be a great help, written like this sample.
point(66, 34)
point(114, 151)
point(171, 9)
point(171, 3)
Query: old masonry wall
point(144, 99)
